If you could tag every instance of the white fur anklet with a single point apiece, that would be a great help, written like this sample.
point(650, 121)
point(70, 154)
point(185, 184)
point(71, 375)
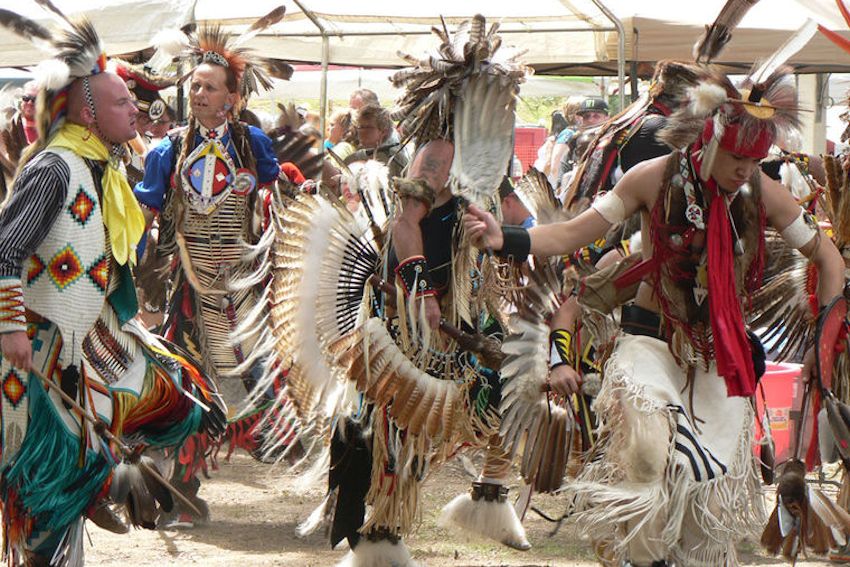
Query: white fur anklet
point(491, 518)
point(378, 554)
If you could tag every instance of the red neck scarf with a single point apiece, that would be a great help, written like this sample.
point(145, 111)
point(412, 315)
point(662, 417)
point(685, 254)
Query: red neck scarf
point(731, 344)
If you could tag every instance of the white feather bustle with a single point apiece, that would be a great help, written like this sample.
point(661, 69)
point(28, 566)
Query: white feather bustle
point(378, 554)
point(636, 242)
point(171, 42)
point(52, 74)
point(794, 181)
point(492, 520)
point(706, 98)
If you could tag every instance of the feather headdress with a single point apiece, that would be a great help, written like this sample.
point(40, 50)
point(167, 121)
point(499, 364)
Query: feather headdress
point(212, 44)
point(744, 121)
point(74, 51)
point(144, 84)
point(465, 91)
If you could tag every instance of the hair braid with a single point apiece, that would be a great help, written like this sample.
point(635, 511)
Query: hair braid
point(242, 142)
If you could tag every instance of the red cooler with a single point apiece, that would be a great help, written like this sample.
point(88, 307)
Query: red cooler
point(779, 383)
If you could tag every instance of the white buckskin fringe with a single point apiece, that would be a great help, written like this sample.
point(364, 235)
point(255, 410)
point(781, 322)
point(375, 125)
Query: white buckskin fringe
point(702, 520)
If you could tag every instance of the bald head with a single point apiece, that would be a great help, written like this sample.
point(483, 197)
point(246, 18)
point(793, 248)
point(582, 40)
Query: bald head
point(113, 116)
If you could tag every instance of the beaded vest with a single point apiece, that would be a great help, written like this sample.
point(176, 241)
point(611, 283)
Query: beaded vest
point(67, 278)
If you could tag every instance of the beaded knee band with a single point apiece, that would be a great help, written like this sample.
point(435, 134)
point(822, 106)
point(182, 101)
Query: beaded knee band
point(489, 492)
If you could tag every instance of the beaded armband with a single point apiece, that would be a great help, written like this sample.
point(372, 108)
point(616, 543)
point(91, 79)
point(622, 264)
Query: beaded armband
point(12, 311)
point(414, 277)
point(417, 189)
point(561, 348)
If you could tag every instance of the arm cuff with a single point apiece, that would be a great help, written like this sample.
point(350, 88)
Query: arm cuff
point(801, 230)
point(560, 348)
point(516, 243)
point(414, 276)
point(12, 311)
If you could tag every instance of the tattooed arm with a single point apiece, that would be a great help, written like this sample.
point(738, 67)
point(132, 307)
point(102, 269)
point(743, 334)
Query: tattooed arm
point(428, 175)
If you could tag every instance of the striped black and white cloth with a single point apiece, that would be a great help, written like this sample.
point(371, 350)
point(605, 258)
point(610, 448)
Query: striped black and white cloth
point(36, 200)
point(704, 465)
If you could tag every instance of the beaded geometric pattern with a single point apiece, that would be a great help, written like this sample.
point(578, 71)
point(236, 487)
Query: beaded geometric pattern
point(35, 268)
point(82, 207)
point(99, 272)
point(12, 303)
point(13, 388)
point(65, 268)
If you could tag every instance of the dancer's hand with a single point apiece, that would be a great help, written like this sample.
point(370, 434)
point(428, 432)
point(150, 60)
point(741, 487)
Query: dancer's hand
point(564, 380)
point(16, 348)
point(482, 229)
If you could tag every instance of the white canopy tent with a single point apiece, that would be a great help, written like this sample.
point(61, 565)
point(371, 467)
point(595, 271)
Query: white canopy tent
point(557, 36)
point(563, 36)
point(328, 32)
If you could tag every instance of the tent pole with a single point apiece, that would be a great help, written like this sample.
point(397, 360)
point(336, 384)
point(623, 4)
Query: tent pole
point(621, 49)
point(323, 89)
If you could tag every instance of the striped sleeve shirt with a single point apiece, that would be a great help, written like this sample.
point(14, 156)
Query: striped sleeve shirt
point(36, 200)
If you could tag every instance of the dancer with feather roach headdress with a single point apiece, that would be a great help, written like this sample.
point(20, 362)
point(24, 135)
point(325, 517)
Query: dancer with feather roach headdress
point(367, 315)
point(78, 371)
point(682, 366)
point(209, 183)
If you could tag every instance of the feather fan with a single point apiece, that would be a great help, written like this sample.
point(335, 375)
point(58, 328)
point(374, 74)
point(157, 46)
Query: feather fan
point(780, 311)
point(321, 259)
point(542, 427)
point(804, 518)
point(483, 128)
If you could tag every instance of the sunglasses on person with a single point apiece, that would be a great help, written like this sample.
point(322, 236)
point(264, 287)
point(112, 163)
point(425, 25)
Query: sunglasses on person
point(28, 98)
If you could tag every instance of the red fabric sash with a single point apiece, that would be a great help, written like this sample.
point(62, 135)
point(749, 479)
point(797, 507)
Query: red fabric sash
point(731, 344)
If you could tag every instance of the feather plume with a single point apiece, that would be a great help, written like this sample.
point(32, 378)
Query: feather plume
point(706, 98)
point(263, 23)
point(52, 74)
point(716, 36)
point(535, 192)
point(24, 27)
point(170, 42)
point(80, 48)
point(787, 50)
point(278, 69)
point(55, 12)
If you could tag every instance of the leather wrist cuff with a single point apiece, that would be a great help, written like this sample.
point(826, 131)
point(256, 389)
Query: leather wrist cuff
point(414, 276)
point(516, 243)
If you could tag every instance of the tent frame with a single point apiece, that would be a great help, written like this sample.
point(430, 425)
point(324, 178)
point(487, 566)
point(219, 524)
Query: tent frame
point(617, 26)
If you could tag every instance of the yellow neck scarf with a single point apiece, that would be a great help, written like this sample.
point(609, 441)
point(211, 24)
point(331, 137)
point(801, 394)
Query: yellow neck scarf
point(122, 214)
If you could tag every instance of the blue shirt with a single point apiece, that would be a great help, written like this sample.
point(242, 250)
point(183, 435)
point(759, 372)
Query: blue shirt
point(159, 162)
point(565, 136)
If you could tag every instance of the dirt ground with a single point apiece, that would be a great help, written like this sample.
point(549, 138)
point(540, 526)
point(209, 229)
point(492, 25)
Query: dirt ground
point(255, 510)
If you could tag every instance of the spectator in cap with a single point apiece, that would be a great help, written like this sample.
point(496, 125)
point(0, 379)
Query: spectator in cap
point(593, 111)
